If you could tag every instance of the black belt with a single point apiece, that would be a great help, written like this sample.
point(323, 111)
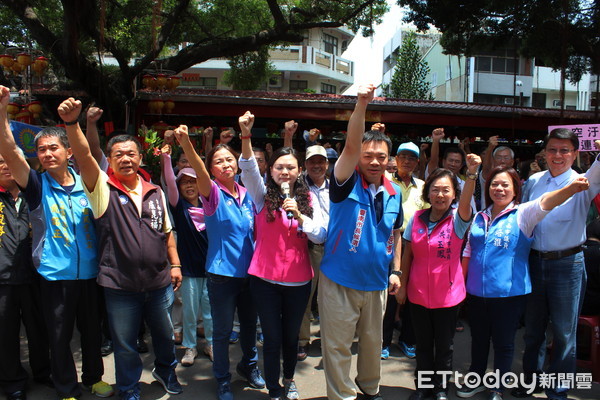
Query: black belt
point(555, 255)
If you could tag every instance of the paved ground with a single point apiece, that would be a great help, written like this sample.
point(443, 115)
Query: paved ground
point(397, 381)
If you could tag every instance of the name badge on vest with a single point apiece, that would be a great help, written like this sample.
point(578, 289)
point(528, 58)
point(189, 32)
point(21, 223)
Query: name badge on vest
point(83, 202)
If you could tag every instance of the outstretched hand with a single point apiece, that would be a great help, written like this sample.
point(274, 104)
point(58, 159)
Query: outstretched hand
point(93, 114)
point(580, 184)
point(69, 109)
point(246, 122)
point(438, 134)
point(473, 162)
point(181, 133)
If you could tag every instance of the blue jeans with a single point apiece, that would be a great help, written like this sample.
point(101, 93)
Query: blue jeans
point(125, 312)
point(226, 294)
point(281, 309)
point(194, 296)
point(556, 293)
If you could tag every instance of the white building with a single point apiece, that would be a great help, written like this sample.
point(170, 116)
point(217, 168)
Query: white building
point(391, 50)
point(501, 77)
point(314, 66)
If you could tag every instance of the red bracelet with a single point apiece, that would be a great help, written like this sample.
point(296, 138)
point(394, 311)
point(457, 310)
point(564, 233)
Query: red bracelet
point(246, 137)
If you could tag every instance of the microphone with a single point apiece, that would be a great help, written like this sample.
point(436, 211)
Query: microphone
point(285, 189)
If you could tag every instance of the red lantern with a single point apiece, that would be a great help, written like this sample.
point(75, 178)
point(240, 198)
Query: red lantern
point(36, 108)
point(12, 109)
point(6, 60)
point(169, 106)
point(24, 59)
point(161, 79)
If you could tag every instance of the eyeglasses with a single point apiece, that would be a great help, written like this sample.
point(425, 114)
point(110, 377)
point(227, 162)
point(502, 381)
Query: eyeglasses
point(563, 151)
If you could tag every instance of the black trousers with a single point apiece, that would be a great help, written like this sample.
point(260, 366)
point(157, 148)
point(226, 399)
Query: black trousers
point(434, 331)
point(67, 304)
point(407, 333)
point(280, 309)
point(21, 303)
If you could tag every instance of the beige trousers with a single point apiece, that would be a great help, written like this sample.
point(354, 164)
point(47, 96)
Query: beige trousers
point(343, 313)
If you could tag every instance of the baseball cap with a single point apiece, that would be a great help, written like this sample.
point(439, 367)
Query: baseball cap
point(408, 146)
point(316, 150)
point(186, 171)
point(332, 154)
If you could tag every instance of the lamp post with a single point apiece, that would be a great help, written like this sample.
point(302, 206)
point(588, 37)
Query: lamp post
point(519, 85)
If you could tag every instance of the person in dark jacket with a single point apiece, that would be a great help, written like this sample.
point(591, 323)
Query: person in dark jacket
point(136, 247)
point(19, 294)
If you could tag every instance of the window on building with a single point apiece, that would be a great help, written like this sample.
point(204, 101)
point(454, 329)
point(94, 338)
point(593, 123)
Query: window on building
point(330, 44)
point(298, 86)
point(434, 81)
point(497, 62)
point(327, 88)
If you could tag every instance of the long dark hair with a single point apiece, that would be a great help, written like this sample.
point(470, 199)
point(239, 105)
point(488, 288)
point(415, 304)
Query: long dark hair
point(273, 199)
point(514, 176)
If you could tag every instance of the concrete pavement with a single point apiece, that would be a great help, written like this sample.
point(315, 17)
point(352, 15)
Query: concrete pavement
point(198, 383)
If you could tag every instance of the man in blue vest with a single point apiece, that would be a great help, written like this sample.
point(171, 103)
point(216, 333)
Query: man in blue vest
point(363, 240)
point(136, 246)
point(64, 254)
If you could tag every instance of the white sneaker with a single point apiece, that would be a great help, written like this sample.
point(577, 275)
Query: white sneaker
point(189, 356)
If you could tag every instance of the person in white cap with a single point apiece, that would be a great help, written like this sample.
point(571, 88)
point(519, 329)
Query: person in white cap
point(316, 165)
point(407, 161)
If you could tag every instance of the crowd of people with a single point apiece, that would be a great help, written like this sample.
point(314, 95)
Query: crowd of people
point(380, 237)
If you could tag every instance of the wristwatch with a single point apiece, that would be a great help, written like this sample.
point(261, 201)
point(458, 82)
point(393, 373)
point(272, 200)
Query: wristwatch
point(397, 273)
point(472, 176)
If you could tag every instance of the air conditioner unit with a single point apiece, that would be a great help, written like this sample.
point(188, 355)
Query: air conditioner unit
point(509, 101)
point(555, 103)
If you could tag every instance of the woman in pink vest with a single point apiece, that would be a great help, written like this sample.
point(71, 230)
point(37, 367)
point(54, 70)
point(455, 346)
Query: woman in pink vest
point(432, 275)
point(280, 270)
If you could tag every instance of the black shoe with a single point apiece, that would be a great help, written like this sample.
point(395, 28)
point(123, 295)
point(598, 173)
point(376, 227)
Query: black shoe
point(18, 395)
point(224, 391)
point(302, 352)
point(521, 392)
point(169, 383)
point(252, 374)
point(142, 346)
point(495, 395)
point(367, 396)
point(418, 395)
point(441, 396)
point(46, 381)
point(107, 347)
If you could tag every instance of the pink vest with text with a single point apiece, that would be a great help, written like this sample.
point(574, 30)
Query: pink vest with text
point(281, 252)
point(436, 279)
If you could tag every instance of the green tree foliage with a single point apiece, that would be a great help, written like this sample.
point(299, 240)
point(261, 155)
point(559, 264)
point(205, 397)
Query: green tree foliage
point(558, 32)
point(248, 71)
point(409, 80)
point(174, 33)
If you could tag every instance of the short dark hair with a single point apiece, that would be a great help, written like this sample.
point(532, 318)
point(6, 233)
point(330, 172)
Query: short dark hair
point(122, 139)
point(211, 154)
point(377, 136)
point(514, 176)
point(451, 150)
point(55, 131)
point(434, 176)
point(562, 133)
